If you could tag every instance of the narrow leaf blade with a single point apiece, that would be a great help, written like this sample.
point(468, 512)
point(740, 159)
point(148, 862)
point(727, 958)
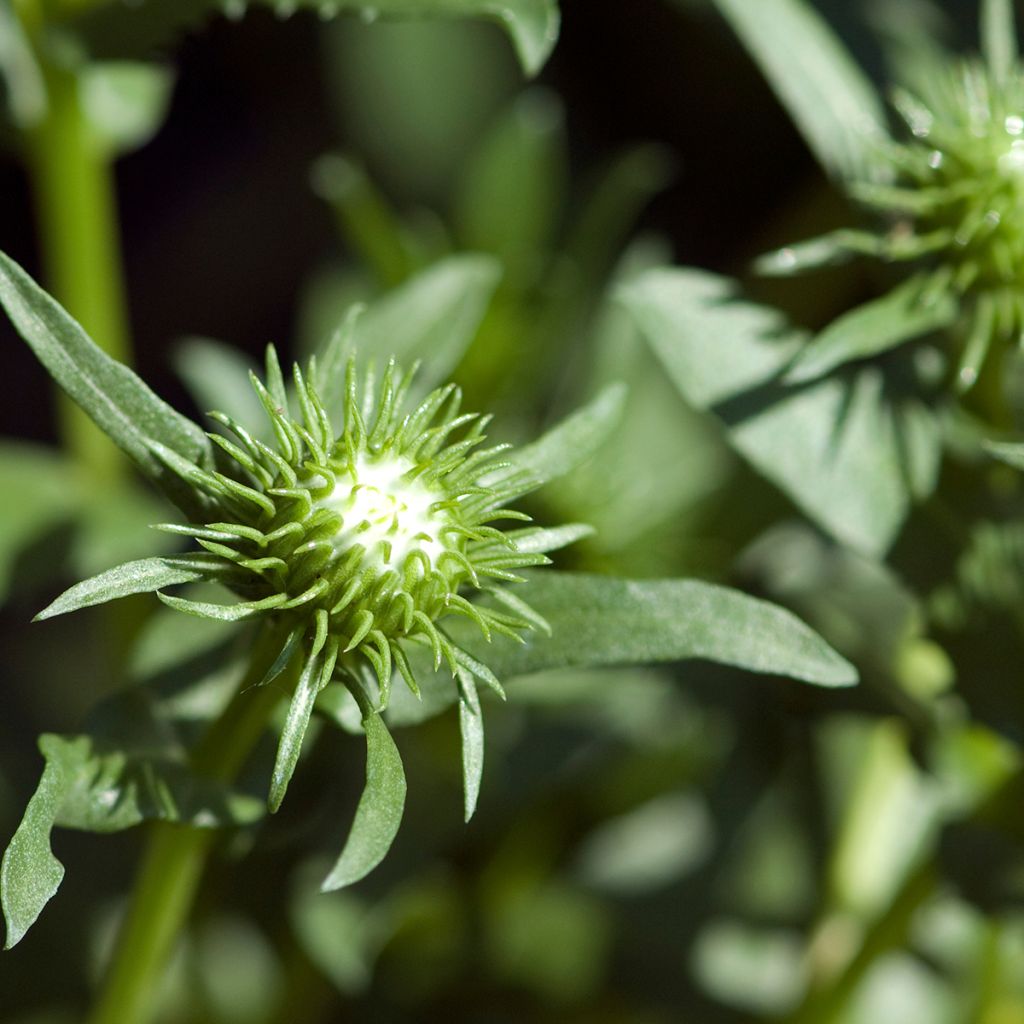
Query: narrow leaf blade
point(897, 316)
point(140, 577)
point(830, 99)
point(120, 403)
point(380, 809)
point(603, 620)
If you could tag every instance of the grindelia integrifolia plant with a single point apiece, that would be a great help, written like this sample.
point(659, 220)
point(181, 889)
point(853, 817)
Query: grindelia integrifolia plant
point(359, 529)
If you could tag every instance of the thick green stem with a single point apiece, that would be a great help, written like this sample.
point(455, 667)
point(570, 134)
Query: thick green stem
point(176, 855)
point(72, 179)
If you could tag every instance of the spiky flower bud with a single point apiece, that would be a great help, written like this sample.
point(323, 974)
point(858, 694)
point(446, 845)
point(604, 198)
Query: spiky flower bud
point(957, 203)
point(365, 537)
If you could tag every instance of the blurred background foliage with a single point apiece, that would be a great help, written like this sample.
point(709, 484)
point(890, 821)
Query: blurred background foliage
point(650, 846)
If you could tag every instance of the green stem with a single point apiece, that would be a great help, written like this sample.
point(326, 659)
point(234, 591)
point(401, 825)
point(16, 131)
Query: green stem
point(825, 1005)
point(176, 854)
point(73, 184)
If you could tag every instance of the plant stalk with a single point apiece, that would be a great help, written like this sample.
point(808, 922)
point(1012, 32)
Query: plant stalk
point(71, 171)
point(176, 854)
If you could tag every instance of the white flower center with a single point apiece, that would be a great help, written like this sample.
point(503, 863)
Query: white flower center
point(387, 515)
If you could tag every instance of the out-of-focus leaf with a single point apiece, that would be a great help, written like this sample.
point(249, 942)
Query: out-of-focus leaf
point(88, 785)
point(380, 807)
point(513, 188)
point(217, 377)
point(899, 315)
point(432, 317)
point(120, 403)
point(852, 450)
point(825, 251)
point(999, 37)
point(19, 72)
point(42, 481)
point(569, 443)
point(649, 847)
point(755, 970)
point(829, 98)
point(365, 218)
point(125, 102)
point(600, 620)
point(531, 24)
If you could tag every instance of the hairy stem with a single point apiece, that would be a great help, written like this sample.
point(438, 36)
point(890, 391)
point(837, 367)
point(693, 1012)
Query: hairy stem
point(176, 854)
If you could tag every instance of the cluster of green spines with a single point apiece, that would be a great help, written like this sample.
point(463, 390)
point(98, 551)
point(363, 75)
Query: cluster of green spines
point(364, 537)
point(958, 200)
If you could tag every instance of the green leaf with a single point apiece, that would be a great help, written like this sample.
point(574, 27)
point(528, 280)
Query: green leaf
point(829, 250)
point(310, 683)
point(19, 71)
point(831, 101)
point(120, 403)
point(999, 37)
point(217, 377)
point(93, 786)
point(380, 808)
point(471, 728)
point(29, 873)
point(875, 327)
point(125, 102)
point(434, 317)
point(1010, 452)
point(47, 499)
point(568, 444)
point(141, 577)
point(532, 25)
point(603, 620)
point(852, 450)
point(513, 188)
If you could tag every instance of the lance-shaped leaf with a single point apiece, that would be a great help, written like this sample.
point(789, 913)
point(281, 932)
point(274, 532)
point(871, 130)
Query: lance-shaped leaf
point(471, 728)
point(120, 403)
point(532, 25)
point(316, 674)
point(433, 316)
point(829, 98)
point(100, 787)
point(898, 316)
point(141, 577)
point(380, 807)
point(603, 620)
point(566, 445)
point(851, 450)
point(999, 37)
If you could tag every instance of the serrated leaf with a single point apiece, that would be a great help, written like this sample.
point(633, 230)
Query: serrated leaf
point(603, 620)
point(471, 729)
point(568, 444)
point(96, 787)
point(119, 402)
point(899, 315)
point(531, 24)
point(830, 99)
point(851, 450)
point(140, 577)
point(379, 813)
point(433, 316)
